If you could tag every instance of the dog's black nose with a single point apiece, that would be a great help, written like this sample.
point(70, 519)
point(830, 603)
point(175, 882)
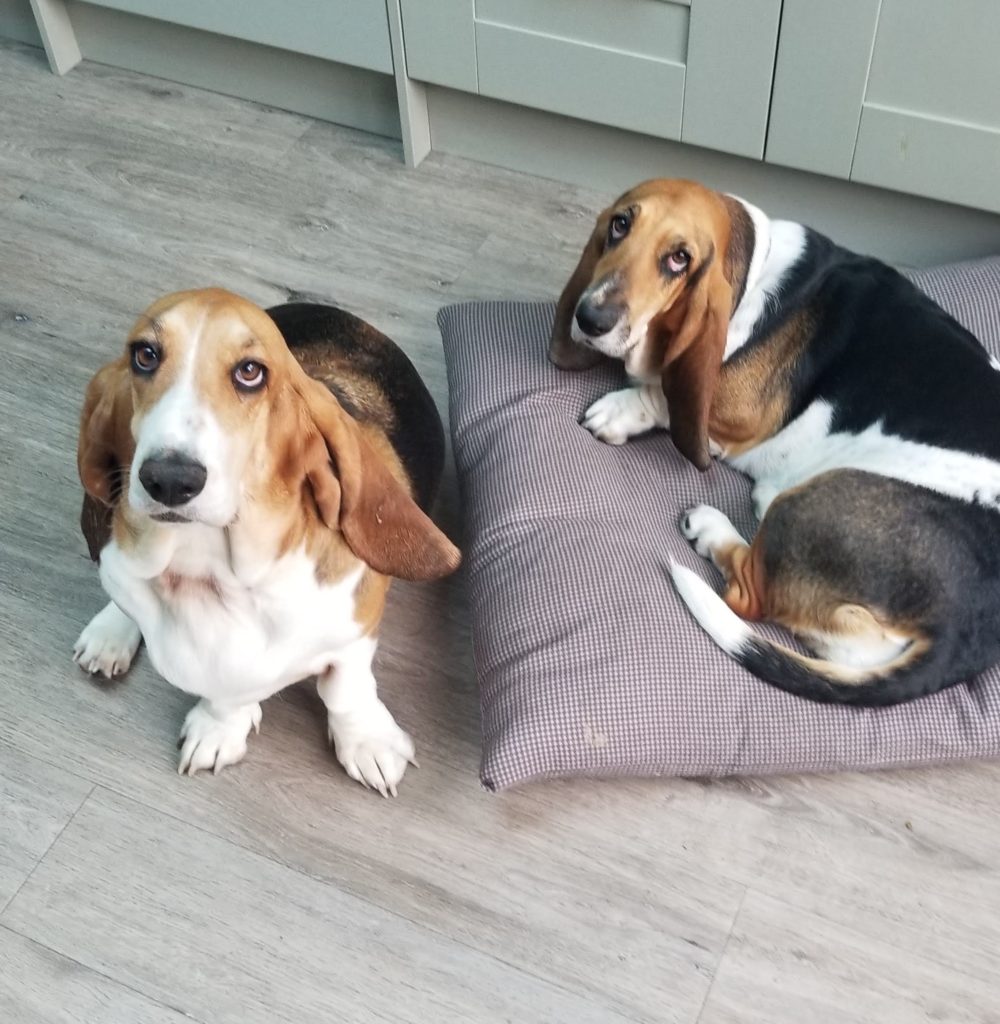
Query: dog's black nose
point(596, 320)
point(172, 479)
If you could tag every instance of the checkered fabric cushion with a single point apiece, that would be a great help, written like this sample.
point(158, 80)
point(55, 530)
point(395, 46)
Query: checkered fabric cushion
point(588, 663)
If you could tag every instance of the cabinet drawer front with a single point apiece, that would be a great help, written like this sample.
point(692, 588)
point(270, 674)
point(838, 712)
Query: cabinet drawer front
point(647, 28)
point(928, 156)
point(938, 59)
point(580, 80)
point(350, 31)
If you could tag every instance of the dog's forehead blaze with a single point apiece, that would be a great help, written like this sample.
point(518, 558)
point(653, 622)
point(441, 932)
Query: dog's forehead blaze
point(216, 329)
point(668, 213)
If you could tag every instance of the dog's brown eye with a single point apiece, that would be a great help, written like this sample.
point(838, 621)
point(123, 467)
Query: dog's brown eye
point(145, 357)
point(619, 226)
point(249, 375)
point(677, 262)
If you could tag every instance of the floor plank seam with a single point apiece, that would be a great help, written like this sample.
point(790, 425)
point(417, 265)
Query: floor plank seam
point(117, 982)
point(722, 955)
point(48, 850)
point(466, 270)
point(344, 890)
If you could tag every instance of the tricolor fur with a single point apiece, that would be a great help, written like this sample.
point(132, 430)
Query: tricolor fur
point(868, 418)
point(253, 480)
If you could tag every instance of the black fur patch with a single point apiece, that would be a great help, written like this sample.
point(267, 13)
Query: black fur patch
point(884, 351)
point(741, 246)
point(414, 428)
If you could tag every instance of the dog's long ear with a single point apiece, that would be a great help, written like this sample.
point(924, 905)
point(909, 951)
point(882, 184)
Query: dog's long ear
point(106, 446)
point(695, 331)
point(357, 494)
point(563, 350)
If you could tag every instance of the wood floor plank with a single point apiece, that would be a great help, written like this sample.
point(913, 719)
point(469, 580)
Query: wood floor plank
point(38, 986)
point(784, 966)
point(621, 894)
point(36, 803)
point(229, 936)
point(907, 857)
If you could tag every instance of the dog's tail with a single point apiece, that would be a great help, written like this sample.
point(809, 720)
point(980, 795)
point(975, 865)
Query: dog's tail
point(917, 670)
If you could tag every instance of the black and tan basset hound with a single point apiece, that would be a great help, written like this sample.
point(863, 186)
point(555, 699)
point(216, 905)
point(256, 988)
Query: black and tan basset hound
point(253, 479)
point(868, 418)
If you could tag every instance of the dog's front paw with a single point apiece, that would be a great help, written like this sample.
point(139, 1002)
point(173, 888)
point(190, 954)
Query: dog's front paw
point(214, 739)
point(618, 416)
point(372, 748)
point(708, 530)
point(108, 643)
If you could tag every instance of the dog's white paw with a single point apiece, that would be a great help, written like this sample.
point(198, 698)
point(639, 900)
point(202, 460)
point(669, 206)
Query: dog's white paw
point(708, 530)
point(372, 748)
point(211, 739)
point(108, 643)
point(618, 416)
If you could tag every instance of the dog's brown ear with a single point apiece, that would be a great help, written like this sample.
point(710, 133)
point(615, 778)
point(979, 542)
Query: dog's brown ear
point(106, 446)
point(563, 350)
point(357, 494)
point(695, 331)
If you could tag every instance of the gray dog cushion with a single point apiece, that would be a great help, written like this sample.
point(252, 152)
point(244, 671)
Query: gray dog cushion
point(587, 660)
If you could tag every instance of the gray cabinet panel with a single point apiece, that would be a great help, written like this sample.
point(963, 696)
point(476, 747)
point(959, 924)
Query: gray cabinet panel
point(930, 123)
point(730, 62)
point(350, 31)
point(440, 41)
point(819, 83)
point(648, 28)
point(618, 62)
point(938, 58)
point(607, 86)
point(904, 94)
point(928, 156)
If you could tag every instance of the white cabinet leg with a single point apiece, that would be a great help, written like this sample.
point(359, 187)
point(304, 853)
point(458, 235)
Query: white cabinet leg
point(57, 34)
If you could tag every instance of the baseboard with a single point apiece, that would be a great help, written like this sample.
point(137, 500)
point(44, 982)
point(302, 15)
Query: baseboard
point(18, 23)
point(902, 229)
point(346, 95)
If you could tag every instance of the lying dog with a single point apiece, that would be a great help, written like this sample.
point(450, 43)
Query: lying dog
point(267, 472)
point(867, 417)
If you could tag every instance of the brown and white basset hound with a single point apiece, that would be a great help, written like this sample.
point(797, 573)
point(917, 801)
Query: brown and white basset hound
point(252, 481)
point(867, 417)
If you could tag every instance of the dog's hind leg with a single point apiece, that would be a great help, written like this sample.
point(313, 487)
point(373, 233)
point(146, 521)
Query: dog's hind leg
point(714, 537)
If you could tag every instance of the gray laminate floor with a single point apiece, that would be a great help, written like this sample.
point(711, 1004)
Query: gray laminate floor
point(281, 891)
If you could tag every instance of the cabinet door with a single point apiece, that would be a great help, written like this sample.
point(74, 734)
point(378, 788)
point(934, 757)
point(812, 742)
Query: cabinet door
point(697, 70)
point(930, 121)
point(352, 32)
point(904, 94)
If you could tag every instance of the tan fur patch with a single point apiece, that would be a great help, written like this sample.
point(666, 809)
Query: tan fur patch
point(808, 607)
point(746, 585)
point(751, 401)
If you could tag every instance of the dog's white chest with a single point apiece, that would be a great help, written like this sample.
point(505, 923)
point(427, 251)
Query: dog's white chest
point(212, 634)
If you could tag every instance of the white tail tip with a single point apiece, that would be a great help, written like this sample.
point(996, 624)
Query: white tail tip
point(721, 623)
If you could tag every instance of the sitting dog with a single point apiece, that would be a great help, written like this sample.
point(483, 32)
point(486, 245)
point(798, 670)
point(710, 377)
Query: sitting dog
point(252, 481)
point(868, 418)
